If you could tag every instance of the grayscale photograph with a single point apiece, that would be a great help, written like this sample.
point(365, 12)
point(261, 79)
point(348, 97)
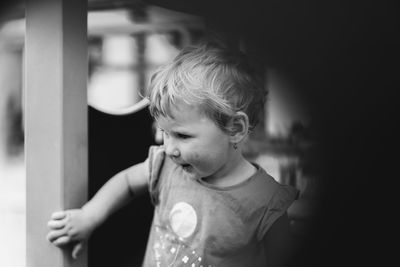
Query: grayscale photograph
point(156, 133)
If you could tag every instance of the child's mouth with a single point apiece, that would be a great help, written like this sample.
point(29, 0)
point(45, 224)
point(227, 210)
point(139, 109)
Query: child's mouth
point(186, 167)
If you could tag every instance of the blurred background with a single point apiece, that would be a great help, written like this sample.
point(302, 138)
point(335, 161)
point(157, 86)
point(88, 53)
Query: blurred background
point(314, 59)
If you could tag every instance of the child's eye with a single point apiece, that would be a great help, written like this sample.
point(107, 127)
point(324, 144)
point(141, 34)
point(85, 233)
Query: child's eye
point(182, 136)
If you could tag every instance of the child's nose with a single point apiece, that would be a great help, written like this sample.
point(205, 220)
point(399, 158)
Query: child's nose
point(171, 148)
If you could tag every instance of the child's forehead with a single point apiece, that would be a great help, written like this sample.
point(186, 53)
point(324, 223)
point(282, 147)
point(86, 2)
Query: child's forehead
point(182, 113)
point(179, 107)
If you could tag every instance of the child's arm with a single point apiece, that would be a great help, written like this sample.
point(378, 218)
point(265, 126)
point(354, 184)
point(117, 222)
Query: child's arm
point(278, 243)
point(76, 225)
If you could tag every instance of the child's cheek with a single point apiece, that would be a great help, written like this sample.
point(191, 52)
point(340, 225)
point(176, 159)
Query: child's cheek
point(197, 160)
point(193, 156)
point(205, 163)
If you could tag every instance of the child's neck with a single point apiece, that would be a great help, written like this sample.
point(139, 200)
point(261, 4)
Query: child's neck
point(240, 171)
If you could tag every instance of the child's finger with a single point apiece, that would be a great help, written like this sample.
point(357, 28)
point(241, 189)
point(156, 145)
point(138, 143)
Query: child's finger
point(58, 215)
point(55, 225)
point(53, 235)
point(61, 241)
point(76, 250)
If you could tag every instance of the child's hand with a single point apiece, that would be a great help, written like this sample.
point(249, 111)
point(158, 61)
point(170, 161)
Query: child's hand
point(70, 227)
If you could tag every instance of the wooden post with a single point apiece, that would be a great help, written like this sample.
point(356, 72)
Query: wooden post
point(55, 121)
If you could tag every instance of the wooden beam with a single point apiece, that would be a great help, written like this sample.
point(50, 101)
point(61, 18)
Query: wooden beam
point(55, 121)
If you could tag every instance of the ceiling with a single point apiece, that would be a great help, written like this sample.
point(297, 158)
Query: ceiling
point(298, 35)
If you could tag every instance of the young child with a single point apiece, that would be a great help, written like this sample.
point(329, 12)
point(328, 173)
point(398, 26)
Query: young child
point(212, 206)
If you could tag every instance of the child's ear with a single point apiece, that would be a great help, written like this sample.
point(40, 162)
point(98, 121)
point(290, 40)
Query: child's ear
point(239, 127)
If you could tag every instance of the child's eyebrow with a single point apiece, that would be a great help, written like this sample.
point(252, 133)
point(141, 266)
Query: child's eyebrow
point(178, 131)
point(175, 130)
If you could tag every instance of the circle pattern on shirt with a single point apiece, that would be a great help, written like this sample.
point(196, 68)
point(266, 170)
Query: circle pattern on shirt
point(183, 219)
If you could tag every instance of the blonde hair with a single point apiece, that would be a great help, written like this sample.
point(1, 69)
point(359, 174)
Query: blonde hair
point(217, 80)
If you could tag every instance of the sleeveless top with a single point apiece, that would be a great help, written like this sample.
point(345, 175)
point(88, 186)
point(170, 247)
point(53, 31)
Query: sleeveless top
point(199, 224)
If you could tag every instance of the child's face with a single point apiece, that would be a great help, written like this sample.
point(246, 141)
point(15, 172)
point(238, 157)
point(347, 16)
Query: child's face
point(196, 143)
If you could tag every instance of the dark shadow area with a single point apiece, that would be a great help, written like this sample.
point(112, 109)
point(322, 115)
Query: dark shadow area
point(115, 143)
point(344, 58)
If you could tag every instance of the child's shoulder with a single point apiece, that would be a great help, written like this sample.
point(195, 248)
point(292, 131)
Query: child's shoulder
point(268, 188)
point(263, 180)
